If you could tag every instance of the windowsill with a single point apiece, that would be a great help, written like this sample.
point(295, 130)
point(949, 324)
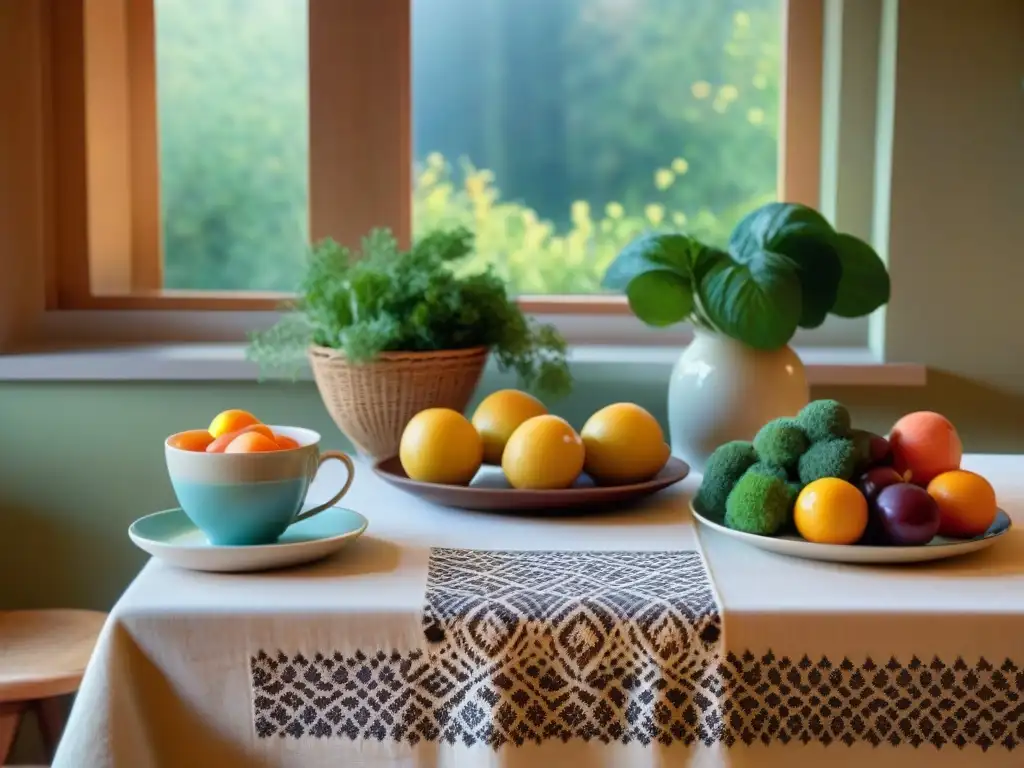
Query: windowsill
point(852, 366)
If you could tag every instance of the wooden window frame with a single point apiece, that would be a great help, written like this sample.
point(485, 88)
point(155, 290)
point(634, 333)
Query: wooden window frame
point(103, 140)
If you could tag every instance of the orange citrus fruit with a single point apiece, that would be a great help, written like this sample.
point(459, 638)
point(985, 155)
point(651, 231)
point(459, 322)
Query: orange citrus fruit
point(624, 444)
point(231, 421)
point(831, 511)
point(544, 453)
point(221, 444)
point(439, 445)
point(286, 443)
point(251, 442)
point(967, 503)
point(191, 440)
point(498, 415)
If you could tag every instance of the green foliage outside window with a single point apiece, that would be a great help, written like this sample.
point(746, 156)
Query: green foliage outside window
point(534, 255)
point(653, 115)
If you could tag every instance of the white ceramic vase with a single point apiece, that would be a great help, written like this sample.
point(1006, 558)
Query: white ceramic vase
point(723, 390)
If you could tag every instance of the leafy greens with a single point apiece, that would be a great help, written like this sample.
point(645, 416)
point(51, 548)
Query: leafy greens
point(383, 299)
point(786, 268)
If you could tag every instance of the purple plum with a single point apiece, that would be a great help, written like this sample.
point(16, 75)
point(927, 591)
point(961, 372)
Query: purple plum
point(879, 451)
point(874, 480)
point(909, 516)
point(871, 483)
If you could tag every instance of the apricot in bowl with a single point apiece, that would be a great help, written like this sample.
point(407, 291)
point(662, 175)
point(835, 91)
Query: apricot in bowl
point(233, 431)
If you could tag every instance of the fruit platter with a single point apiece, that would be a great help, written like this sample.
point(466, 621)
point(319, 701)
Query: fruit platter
point(512, 455)
point(814, 486)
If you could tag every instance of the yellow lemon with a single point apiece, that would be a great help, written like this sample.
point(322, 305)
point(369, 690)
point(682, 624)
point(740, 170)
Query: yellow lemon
point(543, 453)
point(439, 445)
point(231, 421)
point(624, 445)
point(498, 415)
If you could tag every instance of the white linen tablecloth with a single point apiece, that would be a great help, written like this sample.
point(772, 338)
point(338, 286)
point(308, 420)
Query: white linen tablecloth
point(328, 665)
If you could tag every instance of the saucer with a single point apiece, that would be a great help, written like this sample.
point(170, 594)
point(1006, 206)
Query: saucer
point(173, 538)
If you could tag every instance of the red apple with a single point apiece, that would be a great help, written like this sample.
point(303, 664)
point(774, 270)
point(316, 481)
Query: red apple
point(926, 444)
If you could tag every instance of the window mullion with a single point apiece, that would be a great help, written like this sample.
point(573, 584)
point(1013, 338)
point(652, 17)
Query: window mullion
point(144, 158)
point(360, 138)
point(801, 107)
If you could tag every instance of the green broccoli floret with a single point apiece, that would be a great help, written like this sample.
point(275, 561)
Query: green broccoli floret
point(723, 469)
point(781, 442)
point(829, 458)
point(824, 420)
point(758, 504)
point(771, 470)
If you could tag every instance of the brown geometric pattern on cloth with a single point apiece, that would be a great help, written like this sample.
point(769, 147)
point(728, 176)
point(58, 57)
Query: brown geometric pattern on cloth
point(523, 647)
point(766, 699)
point(775, 699)
point(610, 646)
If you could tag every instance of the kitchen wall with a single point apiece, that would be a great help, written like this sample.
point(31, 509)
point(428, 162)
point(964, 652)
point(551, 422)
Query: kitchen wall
point(79, 462)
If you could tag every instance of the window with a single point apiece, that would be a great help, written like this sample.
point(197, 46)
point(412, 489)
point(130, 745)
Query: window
point(559, 131)
point(233, 117)
point(210, 141)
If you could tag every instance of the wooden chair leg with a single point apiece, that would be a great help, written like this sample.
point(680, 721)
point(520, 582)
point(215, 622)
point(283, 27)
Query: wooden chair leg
point(10, 719)
point(50, 713)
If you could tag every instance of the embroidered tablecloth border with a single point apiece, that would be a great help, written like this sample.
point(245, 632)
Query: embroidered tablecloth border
point(522, 647)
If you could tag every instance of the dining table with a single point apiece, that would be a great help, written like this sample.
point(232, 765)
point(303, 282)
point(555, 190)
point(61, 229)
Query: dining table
point(623, 637)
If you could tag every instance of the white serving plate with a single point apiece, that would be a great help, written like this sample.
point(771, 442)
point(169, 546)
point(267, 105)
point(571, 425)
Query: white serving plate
point(938, 548)
point(173, 538)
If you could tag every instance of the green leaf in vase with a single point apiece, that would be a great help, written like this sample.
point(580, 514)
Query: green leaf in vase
point(865, 284)
point(805, 237)
point(660, 297)
point(652, 253)
point(762, 224)
point(656, 272)
point(756, 301)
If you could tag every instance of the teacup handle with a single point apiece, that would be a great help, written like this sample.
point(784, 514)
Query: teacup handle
point(344, 459)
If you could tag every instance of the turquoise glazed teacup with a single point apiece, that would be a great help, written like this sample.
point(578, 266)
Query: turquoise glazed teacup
point(240, 499)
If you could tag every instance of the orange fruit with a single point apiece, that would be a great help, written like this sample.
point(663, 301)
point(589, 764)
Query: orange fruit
point(543, 453)
point(191, 440)
point(831, 511)
point(231, 421)
point(967, 503)
point(439, 445)
point(221, 443)
point(927, 444)
point(252, 442)
point(624, 444)
point(286, 443)
point(498, 415)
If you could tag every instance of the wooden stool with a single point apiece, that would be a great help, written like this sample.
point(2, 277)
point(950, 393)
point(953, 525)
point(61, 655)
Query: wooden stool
point(42, 657)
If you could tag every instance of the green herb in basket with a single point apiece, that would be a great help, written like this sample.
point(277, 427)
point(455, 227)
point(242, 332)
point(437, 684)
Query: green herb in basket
point(384, 299)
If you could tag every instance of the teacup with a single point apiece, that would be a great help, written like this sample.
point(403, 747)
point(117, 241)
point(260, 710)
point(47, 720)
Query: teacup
point(244, 499)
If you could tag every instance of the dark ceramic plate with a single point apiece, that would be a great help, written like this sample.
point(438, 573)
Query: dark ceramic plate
point(490, 491)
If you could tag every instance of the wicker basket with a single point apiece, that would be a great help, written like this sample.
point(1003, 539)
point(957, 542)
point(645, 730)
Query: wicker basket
point(372, 402)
